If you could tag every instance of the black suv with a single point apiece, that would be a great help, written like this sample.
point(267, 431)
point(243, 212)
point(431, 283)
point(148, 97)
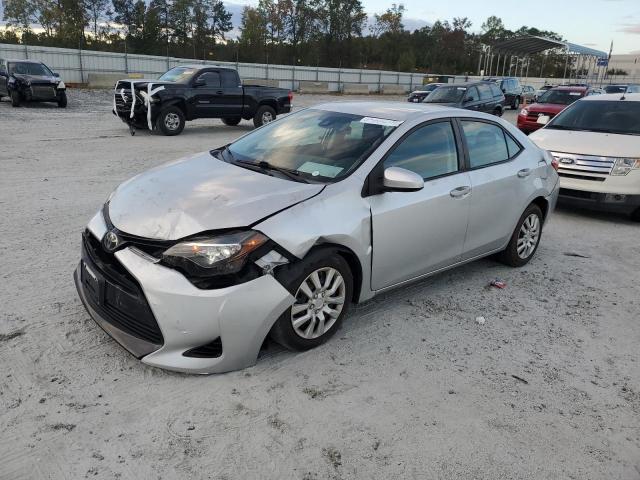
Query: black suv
point(478, 96)
point(31, 81)
point(511, 88)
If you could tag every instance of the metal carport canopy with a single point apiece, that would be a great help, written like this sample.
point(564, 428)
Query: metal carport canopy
point(530, 44)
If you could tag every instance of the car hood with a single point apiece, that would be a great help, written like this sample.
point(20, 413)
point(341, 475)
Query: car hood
point(37, 79)
point(198, 194)
point(587, 143)
point(445, 104)
point(141, 84)
point(546, 107)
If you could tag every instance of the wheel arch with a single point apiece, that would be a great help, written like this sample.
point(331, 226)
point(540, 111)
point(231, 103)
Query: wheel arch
point(543, 203)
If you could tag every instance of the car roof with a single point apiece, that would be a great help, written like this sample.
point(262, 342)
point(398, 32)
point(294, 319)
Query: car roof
point(201, 67)
point(21, 60)
point(568, 88)
point(467, 84)
point(612, 97)
point(399, 111)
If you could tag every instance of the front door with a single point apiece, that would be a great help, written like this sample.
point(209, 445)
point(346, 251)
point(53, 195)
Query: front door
point(415, 233)
point(209, 96)
point(3, 78)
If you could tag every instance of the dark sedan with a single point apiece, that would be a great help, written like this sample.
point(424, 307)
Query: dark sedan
point(477, 96)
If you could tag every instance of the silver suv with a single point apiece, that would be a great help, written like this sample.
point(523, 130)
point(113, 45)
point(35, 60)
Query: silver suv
point(192, 264)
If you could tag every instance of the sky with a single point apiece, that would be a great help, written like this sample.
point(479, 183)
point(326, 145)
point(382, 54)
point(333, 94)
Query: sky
point(592, 23)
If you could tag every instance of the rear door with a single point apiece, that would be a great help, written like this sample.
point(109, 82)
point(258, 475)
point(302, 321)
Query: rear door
point(415, 233)
point(3, 78)
point(472, 100)
point(487, 104)
point(501, 174)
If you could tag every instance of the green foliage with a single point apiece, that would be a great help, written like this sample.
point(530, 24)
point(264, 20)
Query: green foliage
point(295, 32)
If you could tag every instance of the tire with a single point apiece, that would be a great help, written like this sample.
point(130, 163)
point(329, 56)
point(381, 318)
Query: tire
point(170, 121)
point(15, 98)
point(62, 99)
point(516, 103)
point(231, 122)
point(497, 112)
point(314, 324)
point(635, 215)
point(510, 255)
point(265, 114)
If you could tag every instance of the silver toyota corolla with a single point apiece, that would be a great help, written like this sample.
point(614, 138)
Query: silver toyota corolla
point(191, 265)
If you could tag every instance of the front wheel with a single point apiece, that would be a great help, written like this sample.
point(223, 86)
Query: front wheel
point(497, 112)
point(322, 287)
point(516, 103)
point(525, 238)
point(15, 98)
point(264, 115)
point(62, 100)
point(170, 121)
point(635, 215)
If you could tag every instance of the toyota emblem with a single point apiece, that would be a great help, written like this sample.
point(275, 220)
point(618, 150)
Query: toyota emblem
point(111, 241)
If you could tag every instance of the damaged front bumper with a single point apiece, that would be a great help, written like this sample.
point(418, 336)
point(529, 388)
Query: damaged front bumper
point(235, 319)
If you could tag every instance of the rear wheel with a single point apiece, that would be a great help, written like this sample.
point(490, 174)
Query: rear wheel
point(497, 112)
point(231, 122)
point(264, 115)
point(525, 238)
point(170, 121)
point(15, 98)
point(635, 216)
point(62, 99)
point(322, 288)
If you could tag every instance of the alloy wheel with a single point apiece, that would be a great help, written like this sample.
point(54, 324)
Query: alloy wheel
point(528, 236)
point(172, 121)
point(267, 117)
point(319, 301)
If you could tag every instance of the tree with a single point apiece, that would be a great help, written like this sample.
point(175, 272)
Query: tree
point(389, 22)
point(20, 14)
point(96, 9)
point(253, 33)
point(219, 20)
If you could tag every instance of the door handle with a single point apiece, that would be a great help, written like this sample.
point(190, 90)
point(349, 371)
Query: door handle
point(219, 92)
point(525, 172)
point(460, 192)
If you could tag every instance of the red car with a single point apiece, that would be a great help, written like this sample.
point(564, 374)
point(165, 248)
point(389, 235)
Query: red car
point(548, 106)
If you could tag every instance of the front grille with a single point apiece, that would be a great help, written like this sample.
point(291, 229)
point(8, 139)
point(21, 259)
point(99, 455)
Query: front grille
point(123, 99)
point(580, 177)
point(568, 192)
point(589, 166)
point(115, 294)
point(533, 116)
point(43, 91)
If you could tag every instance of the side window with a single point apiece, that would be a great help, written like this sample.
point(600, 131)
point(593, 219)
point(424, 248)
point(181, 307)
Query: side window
point(229, 79)
point(211, 79)
point(512, 146)
point(429, 151)
point(472, 95)
point(485, 142)
point(485, 92)
point(3, 67)
point(496, 90)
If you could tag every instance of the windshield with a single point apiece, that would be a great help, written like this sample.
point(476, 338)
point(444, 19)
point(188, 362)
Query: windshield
point(446, 95)
point(178, 75)
point(621, 117)
point(317, 144)
point(28, 68)
point(560, 97)
point(615, 88)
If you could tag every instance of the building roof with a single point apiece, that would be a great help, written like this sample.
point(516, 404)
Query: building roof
point(530, 44)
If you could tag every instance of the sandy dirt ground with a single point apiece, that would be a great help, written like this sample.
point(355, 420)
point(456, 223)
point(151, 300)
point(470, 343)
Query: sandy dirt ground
point(411, 387)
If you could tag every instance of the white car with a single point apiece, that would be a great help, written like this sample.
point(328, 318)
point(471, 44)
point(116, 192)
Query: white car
point(596, 142)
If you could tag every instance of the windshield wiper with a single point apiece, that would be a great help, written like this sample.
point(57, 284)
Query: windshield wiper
point(291, 174)
point(262, 166)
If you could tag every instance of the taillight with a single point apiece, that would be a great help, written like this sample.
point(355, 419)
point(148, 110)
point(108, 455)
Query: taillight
point(290, 97)
point(553, 161)
point(555, 164)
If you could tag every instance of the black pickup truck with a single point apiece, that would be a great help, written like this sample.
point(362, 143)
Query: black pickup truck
point(190, 92)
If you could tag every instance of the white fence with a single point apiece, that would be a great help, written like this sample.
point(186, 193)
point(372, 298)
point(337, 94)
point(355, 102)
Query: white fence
point(74, 65)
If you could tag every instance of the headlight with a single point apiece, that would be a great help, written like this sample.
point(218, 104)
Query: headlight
point(61, 85)
point(218, 255)
point(524, 112)
point(622, 166)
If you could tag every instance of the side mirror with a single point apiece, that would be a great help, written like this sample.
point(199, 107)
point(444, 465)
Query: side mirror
point(199, 83)
point(56, 74)
point(398, 179)
point(469, 100)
